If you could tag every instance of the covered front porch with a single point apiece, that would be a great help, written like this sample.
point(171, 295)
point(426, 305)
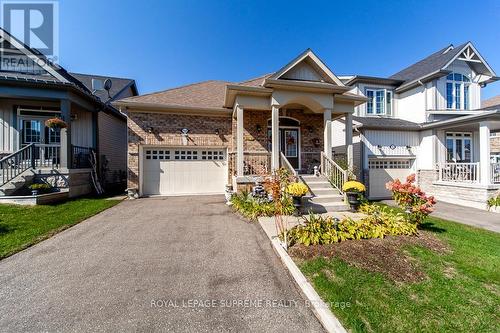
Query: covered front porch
point(465, 171)
point(57, 156)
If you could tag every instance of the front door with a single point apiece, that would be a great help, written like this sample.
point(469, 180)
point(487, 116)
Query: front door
point(33, 130)
point(289, 145)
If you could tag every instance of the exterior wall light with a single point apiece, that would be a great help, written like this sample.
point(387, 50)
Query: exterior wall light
point(149, 129)
point(217, 132)
point(258, 128)
point(310, 129)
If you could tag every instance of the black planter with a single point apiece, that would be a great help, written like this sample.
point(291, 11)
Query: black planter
point(297, 202)
point(353, 200)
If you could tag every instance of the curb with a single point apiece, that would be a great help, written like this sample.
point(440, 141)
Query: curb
point(319, 307)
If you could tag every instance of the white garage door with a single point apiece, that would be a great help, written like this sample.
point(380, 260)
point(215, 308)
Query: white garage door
point(177, 171)
point(382, 171)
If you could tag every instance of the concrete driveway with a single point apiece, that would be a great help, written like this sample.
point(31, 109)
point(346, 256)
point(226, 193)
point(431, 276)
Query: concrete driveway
point(183, 264)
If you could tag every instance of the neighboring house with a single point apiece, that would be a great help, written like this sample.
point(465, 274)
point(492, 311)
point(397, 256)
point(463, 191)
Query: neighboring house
point(493, 104)
point(31, 91)
point(427, 119)
point(197, 138)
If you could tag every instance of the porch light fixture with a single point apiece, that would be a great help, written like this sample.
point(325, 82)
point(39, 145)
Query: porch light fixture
point(258, 128)
point(310, 129)
point(149, 129)
point(217, 132)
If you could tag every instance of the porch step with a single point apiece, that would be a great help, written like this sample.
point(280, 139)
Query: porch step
point(15, 184)
point(324, 197)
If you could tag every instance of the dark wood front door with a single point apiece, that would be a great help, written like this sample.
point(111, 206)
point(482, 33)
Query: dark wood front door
point(289, 145)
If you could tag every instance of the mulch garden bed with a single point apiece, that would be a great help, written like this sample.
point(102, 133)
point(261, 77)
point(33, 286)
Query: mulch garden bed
point(386, 256)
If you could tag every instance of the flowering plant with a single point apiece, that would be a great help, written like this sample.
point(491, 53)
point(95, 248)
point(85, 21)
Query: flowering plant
point(56, 123)
point(410, 197)
point(297, 189)
point(353, 186)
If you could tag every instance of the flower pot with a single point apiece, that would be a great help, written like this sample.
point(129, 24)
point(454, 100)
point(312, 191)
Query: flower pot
point(297, 202)
point(353, 200)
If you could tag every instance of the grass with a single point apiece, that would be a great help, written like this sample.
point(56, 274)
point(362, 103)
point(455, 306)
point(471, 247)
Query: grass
point(23, 226)
point(461, 293)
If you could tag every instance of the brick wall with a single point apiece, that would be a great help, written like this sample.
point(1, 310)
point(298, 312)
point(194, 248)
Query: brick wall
point(167, 132)
point(167, 127)
point(495, 144)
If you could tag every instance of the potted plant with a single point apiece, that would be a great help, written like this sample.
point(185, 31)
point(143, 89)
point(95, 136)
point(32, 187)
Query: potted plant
point(39, 189)
point(56, 123)
point(354, 191)
point(297, 191)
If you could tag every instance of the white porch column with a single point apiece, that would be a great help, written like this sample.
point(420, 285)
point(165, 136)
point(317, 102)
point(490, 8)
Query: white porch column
point(484, 153)
point(348, 140)
point(239, 140)
point(275, 137)
point(66, 149)
point(327, 123)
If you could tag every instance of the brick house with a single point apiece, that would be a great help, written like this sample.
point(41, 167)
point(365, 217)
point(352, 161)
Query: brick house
point(198, 138)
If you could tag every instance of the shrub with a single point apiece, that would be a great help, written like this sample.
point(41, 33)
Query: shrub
point(353, 186)
point(493, 202)
point(253, 208)
point(297, 189)
point(411, 198)
point(380, 221)
point(42, 188)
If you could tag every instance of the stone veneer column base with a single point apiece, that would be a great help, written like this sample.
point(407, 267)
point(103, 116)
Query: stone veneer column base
point(463, 194)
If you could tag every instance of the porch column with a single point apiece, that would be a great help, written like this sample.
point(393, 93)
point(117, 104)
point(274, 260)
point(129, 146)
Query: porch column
point(66, 135)
point(275, 137)
point(239, 141)
point(484, 153)
point(348, 140)
point(327, 123)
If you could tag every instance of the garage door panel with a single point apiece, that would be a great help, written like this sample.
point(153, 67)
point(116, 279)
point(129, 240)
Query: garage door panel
point(186, 171)
point(383, 171)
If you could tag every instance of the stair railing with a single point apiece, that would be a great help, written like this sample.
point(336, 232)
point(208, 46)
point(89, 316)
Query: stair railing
point(284, 163)
point(333, 172)
point(16, 163)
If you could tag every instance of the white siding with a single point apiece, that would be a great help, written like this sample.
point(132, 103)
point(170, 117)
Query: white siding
point(113, 145)
point(400, 139)
point(81, 128)
point(426, 158)
point(303, 71)
point(7, 132)
point(411, 105)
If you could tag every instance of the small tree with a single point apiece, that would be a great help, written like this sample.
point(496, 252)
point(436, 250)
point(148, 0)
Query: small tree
point(411, 198)
point(276, 185)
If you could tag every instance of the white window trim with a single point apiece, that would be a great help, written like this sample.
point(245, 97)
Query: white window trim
point(374, 102)
point(462, 84)
point(453, 136)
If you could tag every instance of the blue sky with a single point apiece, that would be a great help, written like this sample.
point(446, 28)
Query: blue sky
point(163, 44)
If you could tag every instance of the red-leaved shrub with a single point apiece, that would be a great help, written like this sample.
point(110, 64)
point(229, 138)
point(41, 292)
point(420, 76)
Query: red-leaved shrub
point(410, 197)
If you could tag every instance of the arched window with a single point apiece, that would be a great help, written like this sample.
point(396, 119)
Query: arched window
point(457, 91)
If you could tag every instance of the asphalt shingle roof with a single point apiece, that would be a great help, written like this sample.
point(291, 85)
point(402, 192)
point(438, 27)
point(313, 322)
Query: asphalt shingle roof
point(430, 64)
point(118, 84)
point(207, 94)
point(493, 102)
point(386, 123)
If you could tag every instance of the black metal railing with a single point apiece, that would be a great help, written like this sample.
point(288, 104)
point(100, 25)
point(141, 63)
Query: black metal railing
point(14, 164)
point(81, 157)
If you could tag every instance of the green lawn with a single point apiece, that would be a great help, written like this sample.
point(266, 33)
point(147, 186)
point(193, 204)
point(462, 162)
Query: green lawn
point(23, 226)
point(460, 294)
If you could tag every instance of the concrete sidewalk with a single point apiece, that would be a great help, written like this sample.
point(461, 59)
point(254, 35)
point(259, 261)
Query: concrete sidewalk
point(465, 215)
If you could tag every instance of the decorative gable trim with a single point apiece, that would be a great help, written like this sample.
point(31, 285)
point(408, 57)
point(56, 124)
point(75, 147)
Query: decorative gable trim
point(470, 54)
point(35, 58)
point(322, 69)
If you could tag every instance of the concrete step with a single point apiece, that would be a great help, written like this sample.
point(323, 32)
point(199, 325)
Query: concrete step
point(327, 199)
point(318, 185)
point(324, 208)
point(15, 184)
point(324, 191)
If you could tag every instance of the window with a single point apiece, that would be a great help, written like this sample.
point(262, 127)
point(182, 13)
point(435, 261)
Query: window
point(389, 164)
point(379, 102)
point(457, 91)
point(459, 147)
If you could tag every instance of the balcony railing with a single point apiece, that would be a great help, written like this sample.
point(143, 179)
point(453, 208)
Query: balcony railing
point(81, 157)
point(254, 163)
point(495, 173)
point(459, 172)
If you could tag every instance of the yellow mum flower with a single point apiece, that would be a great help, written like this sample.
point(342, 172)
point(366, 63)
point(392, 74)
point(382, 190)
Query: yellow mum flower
point(297, 189)
point(353, 185)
